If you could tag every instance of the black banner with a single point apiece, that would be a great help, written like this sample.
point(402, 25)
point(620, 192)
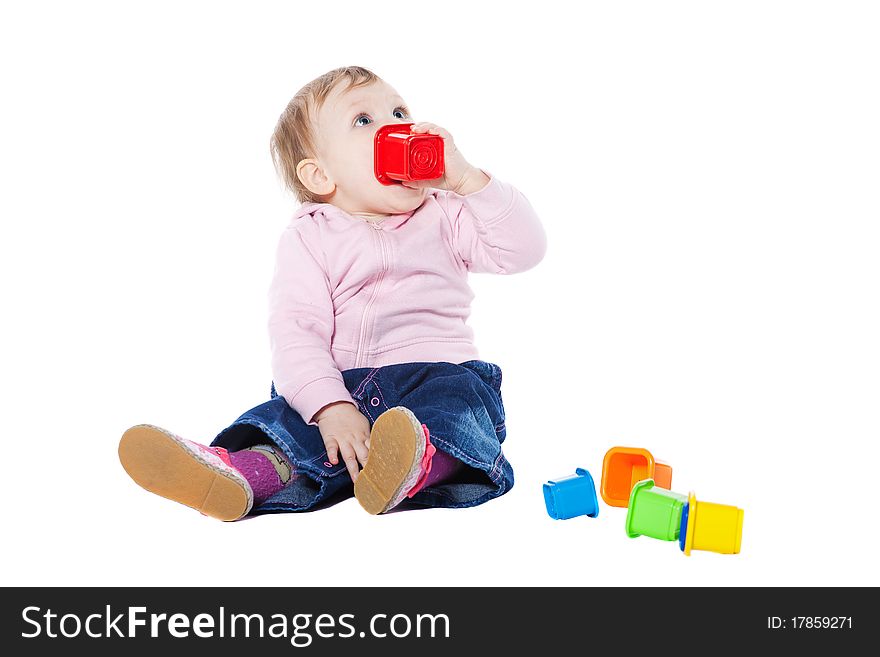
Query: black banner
point(432, 621)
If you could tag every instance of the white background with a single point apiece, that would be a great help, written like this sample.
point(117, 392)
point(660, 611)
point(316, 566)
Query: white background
point(708, 178)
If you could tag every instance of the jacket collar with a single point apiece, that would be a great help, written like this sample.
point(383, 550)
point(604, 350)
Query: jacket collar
point(330, 211)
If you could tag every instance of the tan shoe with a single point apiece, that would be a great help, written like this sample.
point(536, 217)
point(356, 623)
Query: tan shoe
point(398, 443)
point(187, 472)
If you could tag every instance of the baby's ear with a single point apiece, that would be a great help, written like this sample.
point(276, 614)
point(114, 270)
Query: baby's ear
point(312, 176)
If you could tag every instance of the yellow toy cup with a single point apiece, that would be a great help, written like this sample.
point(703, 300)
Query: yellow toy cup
point(711, 527)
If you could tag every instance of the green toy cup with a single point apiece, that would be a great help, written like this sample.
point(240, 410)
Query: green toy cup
point(654, 512)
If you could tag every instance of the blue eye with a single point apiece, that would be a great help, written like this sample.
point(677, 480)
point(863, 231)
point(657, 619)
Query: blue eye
point(400, 110)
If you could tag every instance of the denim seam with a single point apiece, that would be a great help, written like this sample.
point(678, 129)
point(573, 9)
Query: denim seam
point(381, 395)
point(496, 467)
point(365, 381)
point(367, 411)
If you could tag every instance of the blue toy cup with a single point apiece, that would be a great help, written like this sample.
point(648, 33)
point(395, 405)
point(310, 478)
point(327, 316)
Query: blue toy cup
point(572, 496)
point(682, 532)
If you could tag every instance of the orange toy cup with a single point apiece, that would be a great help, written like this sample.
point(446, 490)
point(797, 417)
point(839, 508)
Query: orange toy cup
point(624, 467)
point(662, 475)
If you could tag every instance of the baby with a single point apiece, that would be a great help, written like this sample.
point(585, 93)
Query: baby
point(377, 389)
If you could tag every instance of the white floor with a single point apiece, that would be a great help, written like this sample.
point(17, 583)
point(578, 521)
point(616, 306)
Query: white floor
point(91, 525)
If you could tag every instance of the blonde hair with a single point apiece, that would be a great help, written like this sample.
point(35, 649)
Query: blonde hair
point(292, 140)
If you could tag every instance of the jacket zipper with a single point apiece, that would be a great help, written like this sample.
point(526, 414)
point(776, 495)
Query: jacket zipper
point(362, 339)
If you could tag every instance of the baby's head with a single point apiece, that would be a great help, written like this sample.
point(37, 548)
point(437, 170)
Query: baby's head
point(323, 144)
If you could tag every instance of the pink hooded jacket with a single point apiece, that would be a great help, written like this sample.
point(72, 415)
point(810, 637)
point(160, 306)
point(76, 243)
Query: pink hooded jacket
point(348, 293)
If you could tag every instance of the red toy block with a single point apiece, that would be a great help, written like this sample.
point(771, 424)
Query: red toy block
point(402, 155)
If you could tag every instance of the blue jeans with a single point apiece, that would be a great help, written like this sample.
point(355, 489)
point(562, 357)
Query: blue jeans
point(461, 405)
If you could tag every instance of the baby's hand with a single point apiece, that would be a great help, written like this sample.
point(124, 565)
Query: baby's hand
point(458, 175)
point(345, 429)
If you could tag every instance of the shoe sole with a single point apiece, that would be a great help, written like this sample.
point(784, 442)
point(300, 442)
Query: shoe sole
point(397, 445)
point(159, 462)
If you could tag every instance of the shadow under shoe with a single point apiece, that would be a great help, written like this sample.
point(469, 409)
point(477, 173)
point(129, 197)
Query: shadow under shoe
point(185, 471)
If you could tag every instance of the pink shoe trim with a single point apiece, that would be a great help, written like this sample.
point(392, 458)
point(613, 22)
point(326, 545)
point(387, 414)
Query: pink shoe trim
point(222, 452)
point(224, 455)
point(430, 450)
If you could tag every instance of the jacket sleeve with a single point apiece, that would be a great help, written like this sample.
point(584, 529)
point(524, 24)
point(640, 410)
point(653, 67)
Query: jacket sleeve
point(495, 229)
point(301, 324)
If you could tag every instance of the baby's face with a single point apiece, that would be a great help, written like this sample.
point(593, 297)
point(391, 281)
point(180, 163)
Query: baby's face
point(344, 137)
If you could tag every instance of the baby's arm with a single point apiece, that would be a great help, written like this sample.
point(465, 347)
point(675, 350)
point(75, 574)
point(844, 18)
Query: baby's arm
point(301, 323)
point(495, 229)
